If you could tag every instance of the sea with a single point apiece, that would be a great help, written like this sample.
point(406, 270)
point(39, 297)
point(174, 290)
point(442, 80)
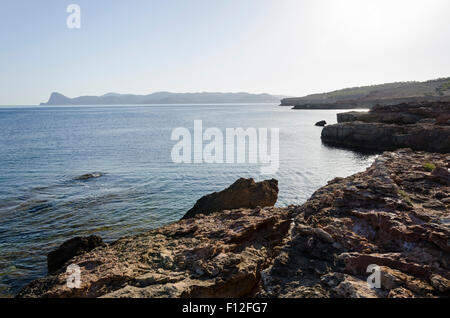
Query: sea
point(137, 185)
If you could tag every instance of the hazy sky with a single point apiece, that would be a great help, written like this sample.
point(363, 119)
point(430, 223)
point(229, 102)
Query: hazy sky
point(292, 47)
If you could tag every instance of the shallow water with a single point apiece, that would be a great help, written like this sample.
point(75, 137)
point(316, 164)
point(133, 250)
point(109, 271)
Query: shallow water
point(45, 149)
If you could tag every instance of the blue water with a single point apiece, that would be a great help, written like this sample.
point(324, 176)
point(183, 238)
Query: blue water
point(44, 150)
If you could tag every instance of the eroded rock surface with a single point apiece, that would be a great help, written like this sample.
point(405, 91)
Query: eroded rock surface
point(244, 193)
point(218, 255)
point(419, 126)
point(395, 215)
point(89, 176)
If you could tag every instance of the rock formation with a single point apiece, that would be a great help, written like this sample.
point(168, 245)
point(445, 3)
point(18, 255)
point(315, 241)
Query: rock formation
point(244, 193)
point(395, 215)
point(89, 176)
point(321, 123)
point(419, 126)
point(369, 96)
point(71, 248)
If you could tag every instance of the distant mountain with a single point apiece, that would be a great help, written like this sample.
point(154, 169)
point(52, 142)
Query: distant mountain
point(368, 96)
point(163, 98)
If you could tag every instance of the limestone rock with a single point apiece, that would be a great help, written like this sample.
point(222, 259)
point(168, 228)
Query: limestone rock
point(385, 216)
point(321, 123)
point(71, 248)
point(377, 217)
point(419, 126)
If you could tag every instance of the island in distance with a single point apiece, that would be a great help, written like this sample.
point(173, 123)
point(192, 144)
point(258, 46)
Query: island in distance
point(58, 99)
point(369, 96)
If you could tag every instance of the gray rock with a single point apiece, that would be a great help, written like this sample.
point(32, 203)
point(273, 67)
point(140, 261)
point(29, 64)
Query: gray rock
point(70, 249)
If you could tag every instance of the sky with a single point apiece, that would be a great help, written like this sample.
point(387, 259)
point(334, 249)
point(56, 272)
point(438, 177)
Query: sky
point(288, 47)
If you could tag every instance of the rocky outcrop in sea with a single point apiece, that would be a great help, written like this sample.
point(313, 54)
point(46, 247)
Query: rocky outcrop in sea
point(395, 215)
point(419, 126)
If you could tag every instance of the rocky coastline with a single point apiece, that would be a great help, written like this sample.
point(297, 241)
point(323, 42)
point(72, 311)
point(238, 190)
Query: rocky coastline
point(423, 126)
point(394, 215)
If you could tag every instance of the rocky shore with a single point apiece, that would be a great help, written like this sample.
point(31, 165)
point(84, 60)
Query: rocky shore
point(416, 125)
point(396, 215)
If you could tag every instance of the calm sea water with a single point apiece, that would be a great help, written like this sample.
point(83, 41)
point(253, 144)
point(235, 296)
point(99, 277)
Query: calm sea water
point(44, 150)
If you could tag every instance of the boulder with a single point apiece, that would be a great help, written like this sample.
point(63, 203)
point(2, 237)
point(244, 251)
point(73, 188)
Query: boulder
point(71, 248)
point(244, 193)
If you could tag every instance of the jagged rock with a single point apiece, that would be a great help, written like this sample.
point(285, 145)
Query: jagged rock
point(442, 175)
point(321, 123)
point(400, 293)
point(71, 248)
point(419, 126)
point(440, 283)
point(244, 193)
point(352, 287)
point(218, 255)
point(320, 249)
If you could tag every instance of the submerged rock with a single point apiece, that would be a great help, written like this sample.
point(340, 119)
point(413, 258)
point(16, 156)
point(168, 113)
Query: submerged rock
point(394, 215)
point(244, 193)
point(76, 246)
point(88, 176)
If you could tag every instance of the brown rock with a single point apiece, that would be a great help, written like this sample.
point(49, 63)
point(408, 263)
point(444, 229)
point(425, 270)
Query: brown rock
point(440, 283)
point(400, 293)
point(244, 193)
point(218, 255)
point(71, 248)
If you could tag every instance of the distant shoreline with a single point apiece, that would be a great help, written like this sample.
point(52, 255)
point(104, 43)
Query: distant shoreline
point(163, 98)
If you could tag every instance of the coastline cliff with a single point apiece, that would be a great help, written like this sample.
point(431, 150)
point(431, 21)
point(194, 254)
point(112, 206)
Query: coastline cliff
point(417, 125)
